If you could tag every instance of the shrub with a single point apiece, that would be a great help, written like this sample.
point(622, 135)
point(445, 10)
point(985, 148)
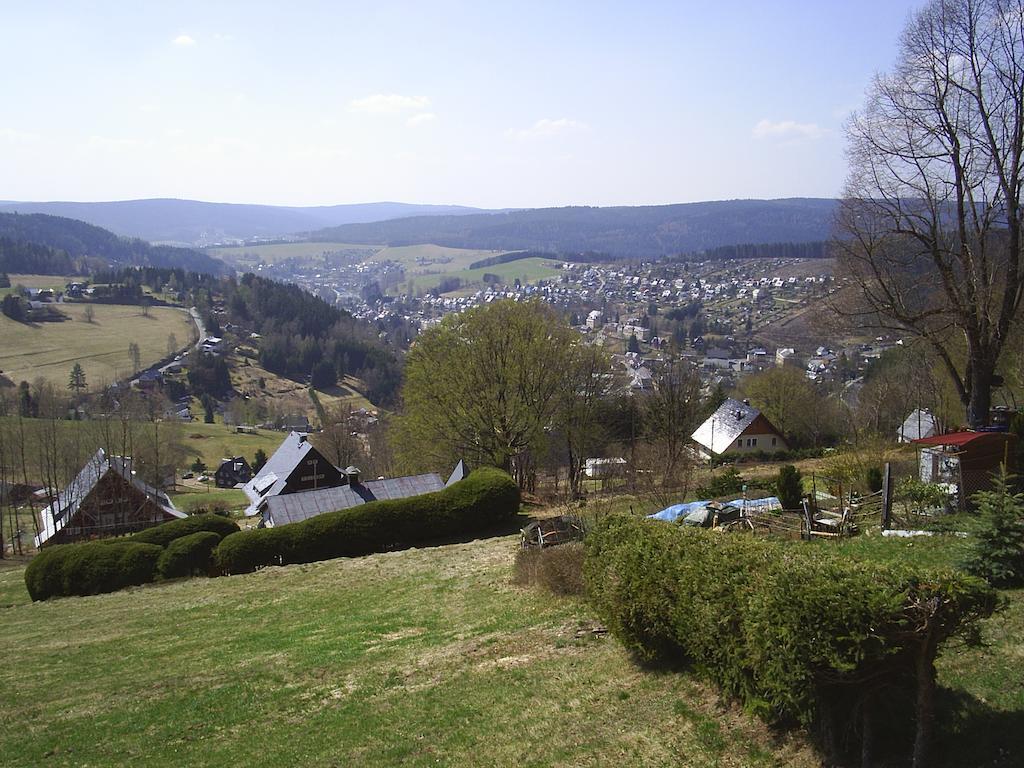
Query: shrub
point(484, 498)
point(188, 555)
point(997, 554)
point(798, 633)
point(90, 568)
point(724, 484)
point(165, 533)
point(789, 487)
point(558, 569)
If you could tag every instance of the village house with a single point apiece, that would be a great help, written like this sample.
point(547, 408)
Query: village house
point(296, 507)
point(232, 471)
point(105, 499)
point(295, 466)
point(737, 428)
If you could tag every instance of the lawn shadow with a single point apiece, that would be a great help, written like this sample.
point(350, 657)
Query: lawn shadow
point(972, 732)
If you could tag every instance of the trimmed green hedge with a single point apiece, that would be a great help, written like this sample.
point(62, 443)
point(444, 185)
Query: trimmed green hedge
point(797, 632)
point(90, 568)
point(484, 498)
point(189, 555)
point(165, 533)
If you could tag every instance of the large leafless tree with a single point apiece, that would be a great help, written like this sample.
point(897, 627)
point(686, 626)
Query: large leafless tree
point(930, 225)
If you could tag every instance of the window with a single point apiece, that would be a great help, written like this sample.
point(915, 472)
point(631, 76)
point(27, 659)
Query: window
point(773, 442)
point(754, 442)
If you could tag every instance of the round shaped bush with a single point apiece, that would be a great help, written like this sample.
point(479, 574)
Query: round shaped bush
point(90, 568)
point(188, 555)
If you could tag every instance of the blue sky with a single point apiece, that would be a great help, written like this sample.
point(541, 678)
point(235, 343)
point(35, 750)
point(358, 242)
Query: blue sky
point(498, 105)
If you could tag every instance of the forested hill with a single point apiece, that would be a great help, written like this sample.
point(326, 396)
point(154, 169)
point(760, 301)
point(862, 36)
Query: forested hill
point(195, 221)
point(642, 231)
point(69, 241)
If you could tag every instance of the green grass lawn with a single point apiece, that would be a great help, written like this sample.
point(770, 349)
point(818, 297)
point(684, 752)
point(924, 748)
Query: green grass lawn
point(423, 657)
point(445, 259)
point(190, 499)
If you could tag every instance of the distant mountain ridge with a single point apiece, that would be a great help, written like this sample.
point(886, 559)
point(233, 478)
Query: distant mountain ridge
point(82, 242)
point(630, 231)
point(194, 222)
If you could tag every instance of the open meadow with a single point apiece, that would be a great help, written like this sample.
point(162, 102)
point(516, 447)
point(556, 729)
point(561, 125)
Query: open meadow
point(251, 255)
point(525, 270)
point(421, 657)
point(49, 350)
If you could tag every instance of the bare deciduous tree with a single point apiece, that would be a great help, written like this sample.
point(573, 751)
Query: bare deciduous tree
point(930, 225)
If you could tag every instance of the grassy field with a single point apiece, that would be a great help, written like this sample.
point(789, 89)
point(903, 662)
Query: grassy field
point(423, 657)
point(270, 254)
point(445, 259)
point(526, 270)
point(50, 350)
point(189, 498)
point(213, 442)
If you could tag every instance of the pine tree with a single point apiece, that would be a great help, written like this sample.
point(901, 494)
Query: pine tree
point(998, 552)
point(76, 381)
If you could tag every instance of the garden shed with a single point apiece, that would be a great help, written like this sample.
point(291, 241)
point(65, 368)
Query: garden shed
point(966, 460)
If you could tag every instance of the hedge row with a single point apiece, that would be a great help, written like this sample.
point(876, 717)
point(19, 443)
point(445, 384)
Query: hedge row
point(797, 632)
point(165, 533)
point(189, 555)
point(484, 498)
point(91, 568)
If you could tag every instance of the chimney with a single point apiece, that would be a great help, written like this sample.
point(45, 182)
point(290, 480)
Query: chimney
point(303, 438)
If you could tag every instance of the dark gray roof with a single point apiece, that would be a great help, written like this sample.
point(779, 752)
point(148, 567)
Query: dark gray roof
point(57, 515)
point(295, 507)
point(273, 476)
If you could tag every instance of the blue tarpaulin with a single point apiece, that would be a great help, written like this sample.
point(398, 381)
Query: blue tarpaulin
point(695, 508)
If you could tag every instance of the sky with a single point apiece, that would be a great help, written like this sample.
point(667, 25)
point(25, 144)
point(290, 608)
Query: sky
point(516, 104)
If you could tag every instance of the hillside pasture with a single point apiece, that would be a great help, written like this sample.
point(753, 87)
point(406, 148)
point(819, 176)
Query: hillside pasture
point(441, 258)
point(525, 270)
point(49, 350)
point(251, 255)
point(421, 657)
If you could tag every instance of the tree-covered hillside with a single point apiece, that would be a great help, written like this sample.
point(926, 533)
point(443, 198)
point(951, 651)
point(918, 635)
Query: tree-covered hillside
point(642, 231)
point(81, 241)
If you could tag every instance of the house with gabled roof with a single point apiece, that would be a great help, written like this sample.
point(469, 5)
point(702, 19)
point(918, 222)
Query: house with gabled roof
point(104, 499)
point(735, 428)
point(296, 507)
point(295, 466)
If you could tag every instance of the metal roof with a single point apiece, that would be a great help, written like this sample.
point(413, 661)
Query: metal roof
point(725, 425)
point(273, 476)
point(57, 515)
point(296, 507)
point(920, 423)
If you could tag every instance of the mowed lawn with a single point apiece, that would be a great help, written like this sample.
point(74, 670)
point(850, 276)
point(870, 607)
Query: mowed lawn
point(275, 252)
point(417, 658)
point(50, 350)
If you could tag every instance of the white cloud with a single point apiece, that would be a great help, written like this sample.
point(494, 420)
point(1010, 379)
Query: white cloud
point(787, 129)
point(547, 127)
point(388, 103)
point(17, 137)
point(184, 41)
point(421, 119)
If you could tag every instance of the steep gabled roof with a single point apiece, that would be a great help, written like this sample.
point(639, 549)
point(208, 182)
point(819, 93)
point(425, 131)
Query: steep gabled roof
point(61, 511)
point(726, 424)
point(920, 423)
point(296, 507)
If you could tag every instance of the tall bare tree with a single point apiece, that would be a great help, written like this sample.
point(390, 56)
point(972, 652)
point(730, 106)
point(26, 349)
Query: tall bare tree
point(930, 225)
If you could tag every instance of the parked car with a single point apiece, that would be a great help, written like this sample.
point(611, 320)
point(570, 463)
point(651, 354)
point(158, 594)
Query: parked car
point(187, 476)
